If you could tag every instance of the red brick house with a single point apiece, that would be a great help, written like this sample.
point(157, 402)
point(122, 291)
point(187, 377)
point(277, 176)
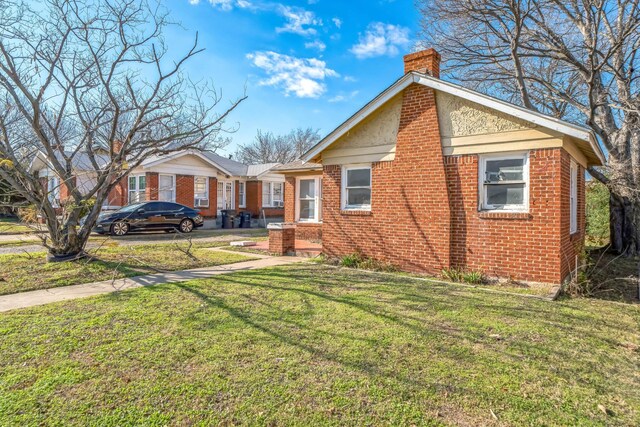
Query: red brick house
point(202, 180)
point(430, 175)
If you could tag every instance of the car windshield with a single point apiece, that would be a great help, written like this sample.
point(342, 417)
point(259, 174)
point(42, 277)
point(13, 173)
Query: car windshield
point(131, 208)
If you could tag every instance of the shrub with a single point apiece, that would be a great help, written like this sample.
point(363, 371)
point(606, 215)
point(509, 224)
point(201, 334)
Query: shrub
point(597, 210)
point(461, 276)
point(28, 214)
point(357, 260)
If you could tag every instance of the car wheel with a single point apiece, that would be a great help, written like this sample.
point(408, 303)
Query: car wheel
point(119, 228)
point(186, 226)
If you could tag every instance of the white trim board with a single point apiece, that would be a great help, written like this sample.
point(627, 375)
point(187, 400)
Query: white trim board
point(530, 116)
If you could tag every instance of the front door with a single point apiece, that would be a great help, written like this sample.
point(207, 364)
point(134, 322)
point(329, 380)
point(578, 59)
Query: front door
point(226, 196)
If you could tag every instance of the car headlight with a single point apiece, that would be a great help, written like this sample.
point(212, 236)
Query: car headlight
point(198, 218)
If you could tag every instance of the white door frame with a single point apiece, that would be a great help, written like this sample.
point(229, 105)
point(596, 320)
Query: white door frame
point(221, 201)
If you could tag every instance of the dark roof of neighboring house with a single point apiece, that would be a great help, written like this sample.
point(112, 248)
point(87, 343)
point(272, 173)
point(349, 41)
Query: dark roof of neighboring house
point(230, 165)
point(298, 165)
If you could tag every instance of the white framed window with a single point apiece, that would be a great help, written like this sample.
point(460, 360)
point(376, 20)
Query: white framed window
point(53, 191)
point(201, 191)
point(309, 199)
point(356, 187)
point(167, 188)
point(137, 188)
point(504, 182)
point(573, 198)
point(272, 194)
point(242, 194)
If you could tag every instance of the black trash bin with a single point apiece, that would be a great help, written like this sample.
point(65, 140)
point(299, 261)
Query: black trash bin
point(227, 218)
point(245, 220)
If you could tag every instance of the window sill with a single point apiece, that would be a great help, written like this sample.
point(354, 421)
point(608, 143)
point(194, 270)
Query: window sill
point(356, 212)
point(303, 223)
point(504, 215)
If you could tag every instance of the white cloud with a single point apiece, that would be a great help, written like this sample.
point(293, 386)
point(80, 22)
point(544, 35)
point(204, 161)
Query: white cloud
point(337, 22)
point(381, 39)
point(301, 76)
point(299, 21)
point(226, 5)
point(317, 44)
point(344, 97)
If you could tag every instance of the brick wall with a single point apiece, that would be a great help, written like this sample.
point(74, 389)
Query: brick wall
point(185, 194)
point(152, 186)
point(525, 246)
point(119, 196)
point(64, 189)
point(290, 199)
point(254, 197)
point(409, 224)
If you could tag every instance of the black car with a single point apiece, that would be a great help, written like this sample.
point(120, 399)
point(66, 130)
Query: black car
point(147, 216)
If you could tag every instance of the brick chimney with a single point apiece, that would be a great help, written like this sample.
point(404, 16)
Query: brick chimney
point(424, 61)
point(117, 146)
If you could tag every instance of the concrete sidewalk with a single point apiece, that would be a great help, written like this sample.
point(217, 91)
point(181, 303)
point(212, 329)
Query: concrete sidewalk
point(46, 296)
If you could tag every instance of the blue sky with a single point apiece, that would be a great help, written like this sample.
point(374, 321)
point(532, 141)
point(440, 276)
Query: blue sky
point(303, 63)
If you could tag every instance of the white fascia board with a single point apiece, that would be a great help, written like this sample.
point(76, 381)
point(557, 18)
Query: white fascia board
point(359, 116)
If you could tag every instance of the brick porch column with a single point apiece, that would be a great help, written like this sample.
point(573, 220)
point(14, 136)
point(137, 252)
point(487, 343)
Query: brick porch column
point(282, 238)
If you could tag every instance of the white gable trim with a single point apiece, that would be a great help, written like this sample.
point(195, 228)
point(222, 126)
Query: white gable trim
point(179, 154)
point(359, 116)
point(545, 121)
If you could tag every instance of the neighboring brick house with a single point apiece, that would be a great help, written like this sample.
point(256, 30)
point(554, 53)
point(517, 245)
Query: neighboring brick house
point(209, 182)
point(430, 175)
point(84, 178)
point(201, 180)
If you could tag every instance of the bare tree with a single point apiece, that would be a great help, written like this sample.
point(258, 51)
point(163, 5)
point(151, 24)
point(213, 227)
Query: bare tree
point(93, 81)
point(577, 60)
point(270, 148)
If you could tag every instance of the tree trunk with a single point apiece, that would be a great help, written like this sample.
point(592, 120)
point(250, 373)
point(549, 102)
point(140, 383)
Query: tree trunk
point(65, 244)
point(624, 225)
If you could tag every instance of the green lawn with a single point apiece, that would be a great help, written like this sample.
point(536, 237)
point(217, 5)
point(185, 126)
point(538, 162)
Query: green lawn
point(11, 226)
point(312, 345)
point(25, 272)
